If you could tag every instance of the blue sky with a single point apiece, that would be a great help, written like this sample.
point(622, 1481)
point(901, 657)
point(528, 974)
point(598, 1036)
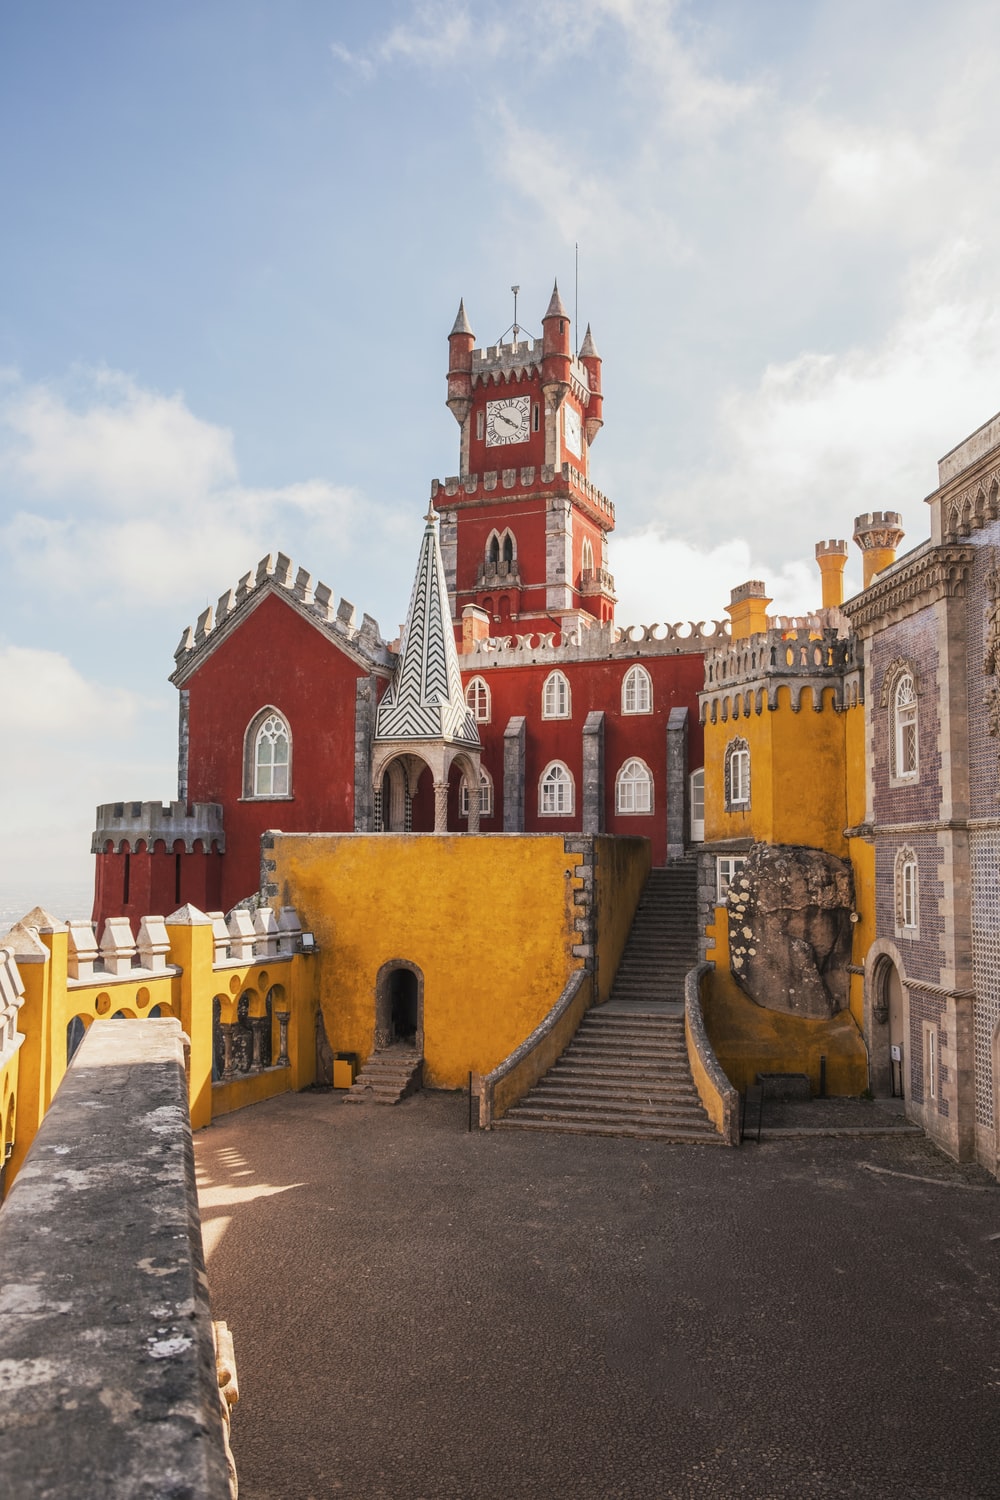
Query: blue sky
point(235, 236)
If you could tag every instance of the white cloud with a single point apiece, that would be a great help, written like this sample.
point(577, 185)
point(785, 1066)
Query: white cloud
point(114, 482)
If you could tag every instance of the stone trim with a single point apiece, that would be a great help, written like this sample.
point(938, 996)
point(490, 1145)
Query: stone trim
point(514, 737)
point(364, 733)
point(593, 773)
point(924, 576)
point(719, 1098)
point(677, 782)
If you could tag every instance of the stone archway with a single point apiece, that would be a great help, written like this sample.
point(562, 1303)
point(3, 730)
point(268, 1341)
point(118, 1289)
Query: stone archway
point(399, 1005)
point(886, 1015)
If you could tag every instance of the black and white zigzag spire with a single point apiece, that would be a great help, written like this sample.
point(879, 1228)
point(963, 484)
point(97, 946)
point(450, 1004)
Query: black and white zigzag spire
point(425, 700)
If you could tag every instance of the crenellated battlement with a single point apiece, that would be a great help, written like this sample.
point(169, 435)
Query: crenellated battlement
point(808, 653)
point(481, 486)
point(278, 573)
point(504, 363)
point(596, 643)
point(126, 824)
point(244, 937)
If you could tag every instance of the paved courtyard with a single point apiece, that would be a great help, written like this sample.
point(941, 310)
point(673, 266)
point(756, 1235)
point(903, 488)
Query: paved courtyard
point(419, 1312)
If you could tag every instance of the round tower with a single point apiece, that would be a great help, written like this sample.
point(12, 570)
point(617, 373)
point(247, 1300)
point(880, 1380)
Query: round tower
point(832, 558)
point(461, 341)
point(878, 533)
point(747, 610)
point(591, 361)
point(556, 351)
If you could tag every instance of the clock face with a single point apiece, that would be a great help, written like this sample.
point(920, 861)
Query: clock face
point(508, 421)
point(571, 430)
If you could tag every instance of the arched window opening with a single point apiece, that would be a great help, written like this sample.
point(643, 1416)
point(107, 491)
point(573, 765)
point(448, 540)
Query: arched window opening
point(508, 549)
point(477, 697)
point(485, 795)
point(267, 757)
point(905, 737)
point(555, 796)
point(698, 805)
point(556, 697)
point(737, 776)
point(634, 788)
point(587, 556)
point(907, 893)
point(493, 551)
point(637, 692)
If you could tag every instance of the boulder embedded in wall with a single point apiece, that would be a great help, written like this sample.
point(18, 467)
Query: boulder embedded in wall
point(790, 929)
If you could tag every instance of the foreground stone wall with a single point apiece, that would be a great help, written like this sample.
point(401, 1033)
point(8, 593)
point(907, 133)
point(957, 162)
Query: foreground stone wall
point(106, 1345)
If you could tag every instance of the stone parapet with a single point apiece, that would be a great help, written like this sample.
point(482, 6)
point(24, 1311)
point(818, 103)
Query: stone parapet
point(808, 654)
point(469, 488)
point(94, 1402)
point(314, 600)
point(598, 642)
point(126, 824)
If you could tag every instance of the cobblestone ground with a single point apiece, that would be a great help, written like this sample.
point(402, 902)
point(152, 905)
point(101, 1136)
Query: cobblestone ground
point(421, 1313)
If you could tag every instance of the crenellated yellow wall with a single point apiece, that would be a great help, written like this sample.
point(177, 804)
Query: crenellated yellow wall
point(797, 777)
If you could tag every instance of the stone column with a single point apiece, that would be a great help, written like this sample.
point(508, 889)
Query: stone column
point(228, 1071)
point(677, 781)
point(284, 1016)
point(440, 807)
point(474, 808)
point(593, 772)
point(513, 775)
point(257, 1024)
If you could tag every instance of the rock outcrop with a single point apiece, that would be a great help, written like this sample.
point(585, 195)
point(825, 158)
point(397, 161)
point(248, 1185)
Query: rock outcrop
point(790, 929)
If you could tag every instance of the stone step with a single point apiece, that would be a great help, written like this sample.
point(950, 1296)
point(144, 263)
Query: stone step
point(387, 1077)
point(676, 1134)
point(599, 1096)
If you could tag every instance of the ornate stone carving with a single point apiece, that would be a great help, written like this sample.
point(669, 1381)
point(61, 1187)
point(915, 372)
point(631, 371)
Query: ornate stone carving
point(790, 929)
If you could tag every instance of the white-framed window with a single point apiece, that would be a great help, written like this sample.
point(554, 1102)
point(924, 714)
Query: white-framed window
point(477, 697)
point(555, 791)
point(907, 893)
point(637, 691)
point(485, 795)
point(930, 1061)
point(905, 740)
point(267, 755)
point(727, 868)
point(698, 805)
point(737, 774)
point(634, 788)
point(587, 556)
point(556, 701)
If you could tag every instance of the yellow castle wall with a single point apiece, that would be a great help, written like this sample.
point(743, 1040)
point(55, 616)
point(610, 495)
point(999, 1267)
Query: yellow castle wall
point(490, 922)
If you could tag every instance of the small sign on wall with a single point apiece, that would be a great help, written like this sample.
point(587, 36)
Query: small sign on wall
point(896, 1052)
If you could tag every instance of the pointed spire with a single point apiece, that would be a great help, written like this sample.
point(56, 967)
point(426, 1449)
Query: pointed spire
point(555, 308)
point(588, 349)
point(462, 324)
point(425, 700)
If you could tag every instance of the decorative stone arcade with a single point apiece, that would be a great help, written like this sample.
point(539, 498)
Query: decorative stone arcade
point(423, 719)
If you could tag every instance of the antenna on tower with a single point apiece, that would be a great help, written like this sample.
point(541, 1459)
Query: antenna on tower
point(516, 329)
point(576, 293)
point(515, 290)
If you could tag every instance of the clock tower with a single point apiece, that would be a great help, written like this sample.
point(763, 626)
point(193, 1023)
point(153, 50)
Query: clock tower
point(523, 530)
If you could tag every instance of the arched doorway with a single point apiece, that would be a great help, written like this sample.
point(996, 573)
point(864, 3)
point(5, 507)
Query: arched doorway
point(399, 1006)
point(888, 1032)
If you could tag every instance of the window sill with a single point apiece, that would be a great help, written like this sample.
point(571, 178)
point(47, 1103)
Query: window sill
point(279, 797)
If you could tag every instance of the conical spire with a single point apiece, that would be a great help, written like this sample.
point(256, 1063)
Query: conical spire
point(555, 307)
point(588, 349)
point(462, 324)
point(425, 700)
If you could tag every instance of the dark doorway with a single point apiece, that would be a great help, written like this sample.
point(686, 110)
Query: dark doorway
point(403, 1005)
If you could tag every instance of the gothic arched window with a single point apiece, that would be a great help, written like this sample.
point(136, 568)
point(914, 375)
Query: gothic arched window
point(637, 692)
point(555, 791)
point(556, 700)
point(477, 698)
point(906, 763)
point(737, 776)
point(267, 756)
point(634, 788)
point(485, 795)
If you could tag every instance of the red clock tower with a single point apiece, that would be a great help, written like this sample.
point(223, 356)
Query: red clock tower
point(523, 530)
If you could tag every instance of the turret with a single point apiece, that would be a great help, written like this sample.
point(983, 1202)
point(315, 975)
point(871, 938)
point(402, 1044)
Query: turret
point(878, 533)
point(747, 610)
point(832, 557)
point(556, 352)
point(591, 361)
point(460, 344)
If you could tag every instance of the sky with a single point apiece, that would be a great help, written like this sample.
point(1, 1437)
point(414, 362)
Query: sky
point(234, 238)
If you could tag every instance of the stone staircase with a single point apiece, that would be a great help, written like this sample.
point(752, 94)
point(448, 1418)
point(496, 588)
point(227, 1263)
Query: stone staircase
point(387, 1077)
point(663, 943)
point(626, 1071)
